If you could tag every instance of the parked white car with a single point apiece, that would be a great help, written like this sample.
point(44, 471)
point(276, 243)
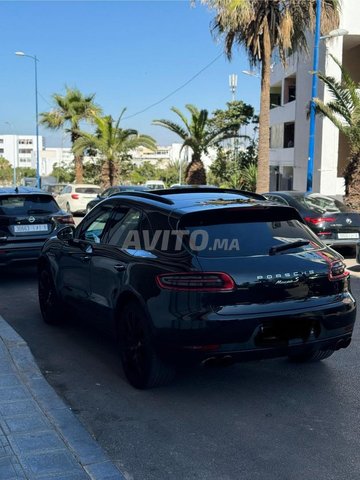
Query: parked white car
point(155, 184)
point(74, 197)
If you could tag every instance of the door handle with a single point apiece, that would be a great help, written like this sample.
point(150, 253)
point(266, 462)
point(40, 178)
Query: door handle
point(85, 259)
point(120, 267)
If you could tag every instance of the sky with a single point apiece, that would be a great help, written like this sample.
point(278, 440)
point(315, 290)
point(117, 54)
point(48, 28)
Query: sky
point(131, 54)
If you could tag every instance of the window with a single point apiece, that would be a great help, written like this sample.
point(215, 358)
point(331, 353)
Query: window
point(125, 224)
point(1, 150)
point(27, 204)
point(89, 190)
point(25, 141)
point(25, 150)
point(94, 231)
point(289, 89)
point(1, 140)
point(289, 135)
point(275, 198)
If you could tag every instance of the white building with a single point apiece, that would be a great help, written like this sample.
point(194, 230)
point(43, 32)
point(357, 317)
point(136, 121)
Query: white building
point(290, 97)
point(20, 150)
point(167, 154)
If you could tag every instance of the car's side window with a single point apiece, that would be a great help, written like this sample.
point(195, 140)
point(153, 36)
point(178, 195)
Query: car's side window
point(124, 232)
point(275, 198)
point(94, 231)
point(64, 190)
point(106, 192)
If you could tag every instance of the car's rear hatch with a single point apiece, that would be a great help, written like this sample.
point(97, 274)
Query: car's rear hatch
point(276, 262)
point(27, 217)
point(343, 226)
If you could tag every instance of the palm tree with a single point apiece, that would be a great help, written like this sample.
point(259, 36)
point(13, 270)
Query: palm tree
point(112, 143)
point(344, 112)
point(198, 134)
point(70, 109)
point(261, 26)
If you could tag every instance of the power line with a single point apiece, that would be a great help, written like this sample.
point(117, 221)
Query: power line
point(177, 89)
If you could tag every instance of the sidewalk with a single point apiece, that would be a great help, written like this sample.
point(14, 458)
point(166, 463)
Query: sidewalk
point(40, 437)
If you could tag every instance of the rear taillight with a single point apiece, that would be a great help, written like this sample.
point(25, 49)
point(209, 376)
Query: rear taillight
point(75, 196)
point(318, 220)
point(196, 281)
point(337, 270)
point(64, 219)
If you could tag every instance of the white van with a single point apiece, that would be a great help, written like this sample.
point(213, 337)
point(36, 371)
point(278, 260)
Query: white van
point(154, 184)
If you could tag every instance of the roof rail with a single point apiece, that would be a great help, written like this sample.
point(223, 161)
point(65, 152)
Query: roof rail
point(174, 191)
point(148, 195)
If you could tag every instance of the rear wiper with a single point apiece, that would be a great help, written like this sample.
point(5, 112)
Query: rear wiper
point(37, 211)
point(288, 246)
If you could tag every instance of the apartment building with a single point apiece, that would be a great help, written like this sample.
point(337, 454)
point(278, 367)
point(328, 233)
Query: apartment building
point(20, 150)
point(290, 97)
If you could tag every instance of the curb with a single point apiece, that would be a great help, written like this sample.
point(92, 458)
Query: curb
point(81, 445)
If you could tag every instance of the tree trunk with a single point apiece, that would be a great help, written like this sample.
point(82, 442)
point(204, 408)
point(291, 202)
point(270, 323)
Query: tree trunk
point(352, 182)
point(113, 173)
point(79, 169)
point(105, 173)
point(195, 172)
point(262, 183)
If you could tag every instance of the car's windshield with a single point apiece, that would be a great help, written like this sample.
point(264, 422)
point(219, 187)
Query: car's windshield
point(27, 204)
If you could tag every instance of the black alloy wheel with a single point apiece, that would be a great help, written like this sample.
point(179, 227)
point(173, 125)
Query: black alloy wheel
point(313, 356)
point(142, 366)
point(50, 305)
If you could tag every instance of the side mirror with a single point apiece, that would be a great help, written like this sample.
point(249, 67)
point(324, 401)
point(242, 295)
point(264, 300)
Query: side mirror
point(66, 234)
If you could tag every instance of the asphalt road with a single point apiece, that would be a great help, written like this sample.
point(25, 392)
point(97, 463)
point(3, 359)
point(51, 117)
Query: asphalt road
point(263, 420)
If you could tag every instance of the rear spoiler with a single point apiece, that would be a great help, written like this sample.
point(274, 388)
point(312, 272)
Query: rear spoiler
point(248, 214)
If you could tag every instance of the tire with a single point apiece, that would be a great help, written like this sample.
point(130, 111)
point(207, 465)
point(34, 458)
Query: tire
point(68, 209)
point(314, 356)
point(50, 305)
point(141, 364)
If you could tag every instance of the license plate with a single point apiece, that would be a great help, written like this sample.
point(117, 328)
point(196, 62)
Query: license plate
point(348, 235)
point(30, 228)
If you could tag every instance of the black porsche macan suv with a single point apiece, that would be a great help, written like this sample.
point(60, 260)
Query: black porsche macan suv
point(197, 275)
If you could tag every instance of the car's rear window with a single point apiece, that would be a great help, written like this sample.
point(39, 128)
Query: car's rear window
point(248, 238)
point(54, 188)
point(90, 190)
point(27, 204)
point(322, 203)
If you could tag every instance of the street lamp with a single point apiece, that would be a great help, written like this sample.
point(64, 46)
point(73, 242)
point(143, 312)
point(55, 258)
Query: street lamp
point(334, 33)
point(22, 54)
point(251, 73)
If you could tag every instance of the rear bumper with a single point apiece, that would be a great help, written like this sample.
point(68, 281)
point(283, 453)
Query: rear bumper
point(350, 242)
point(254, 337)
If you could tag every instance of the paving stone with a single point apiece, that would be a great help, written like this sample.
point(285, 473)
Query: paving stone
point(20, 407)
point(68, 476)
point(52, 463)
point(8, 470)
point(26, 423)
point(35, 441)
point(13, 394)
point(104, 471)
point(9, 381)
